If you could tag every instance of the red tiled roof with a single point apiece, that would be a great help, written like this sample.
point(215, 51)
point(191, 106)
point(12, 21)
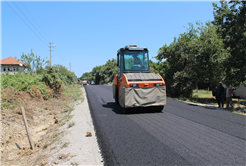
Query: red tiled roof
point(11, 61)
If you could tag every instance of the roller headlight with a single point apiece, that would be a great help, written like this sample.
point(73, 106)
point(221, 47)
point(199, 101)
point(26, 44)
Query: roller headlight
point(134, 85)
point(158, 84)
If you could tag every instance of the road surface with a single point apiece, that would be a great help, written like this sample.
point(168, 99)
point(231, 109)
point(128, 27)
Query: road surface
point(182, 134)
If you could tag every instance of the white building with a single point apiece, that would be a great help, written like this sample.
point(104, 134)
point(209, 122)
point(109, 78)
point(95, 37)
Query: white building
point(11, 65)
point(241, 91)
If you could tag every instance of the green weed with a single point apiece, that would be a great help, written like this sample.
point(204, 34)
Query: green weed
point(71, 124)
point(73, 92)
point(54, 137)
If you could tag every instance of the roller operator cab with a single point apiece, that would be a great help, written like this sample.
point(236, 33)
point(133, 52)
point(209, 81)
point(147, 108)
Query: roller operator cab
point(135, 86)
point(84, 81)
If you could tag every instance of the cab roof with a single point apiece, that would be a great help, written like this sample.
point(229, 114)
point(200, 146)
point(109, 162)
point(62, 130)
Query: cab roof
point(132, 47)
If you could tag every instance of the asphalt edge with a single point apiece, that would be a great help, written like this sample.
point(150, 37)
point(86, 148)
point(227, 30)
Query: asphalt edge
point(104, 147)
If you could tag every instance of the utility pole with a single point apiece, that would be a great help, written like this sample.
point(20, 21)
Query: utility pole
point(51, 53)
point(70, 67)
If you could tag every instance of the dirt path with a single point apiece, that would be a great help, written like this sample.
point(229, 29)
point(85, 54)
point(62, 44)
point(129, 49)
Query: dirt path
point(75, 148)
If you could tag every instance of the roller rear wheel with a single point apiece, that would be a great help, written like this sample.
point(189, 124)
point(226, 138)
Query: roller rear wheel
point(159, 108)
point(124, 110)
point(116, 98)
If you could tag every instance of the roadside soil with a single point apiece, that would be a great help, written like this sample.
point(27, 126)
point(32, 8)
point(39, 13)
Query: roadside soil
point(53, 125)
point(79, 146)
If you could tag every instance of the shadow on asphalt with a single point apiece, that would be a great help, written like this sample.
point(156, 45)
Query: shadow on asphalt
point(138, 110)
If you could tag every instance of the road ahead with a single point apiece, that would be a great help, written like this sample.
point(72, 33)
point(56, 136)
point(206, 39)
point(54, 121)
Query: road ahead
point(183, 134)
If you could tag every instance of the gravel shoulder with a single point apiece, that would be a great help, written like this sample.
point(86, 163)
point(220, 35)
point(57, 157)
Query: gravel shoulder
point(75, 148)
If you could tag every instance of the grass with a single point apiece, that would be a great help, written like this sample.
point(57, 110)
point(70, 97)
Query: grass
point(200, 96)
point(202, 93)
point(74, 164)
point(206, 97)
point(74, 92)
point(71, 124)
point(240, 110)
point(9, 100)
point(66, 117)
point(54, 137)
point(65, 145)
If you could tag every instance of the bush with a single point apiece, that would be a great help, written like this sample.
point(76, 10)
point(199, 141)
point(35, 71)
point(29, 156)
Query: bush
point(183, 85)
point(52, 80)
point(41, 86)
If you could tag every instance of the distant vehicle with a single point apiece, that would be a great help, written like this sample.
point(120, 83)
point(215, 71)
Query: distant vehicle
point(84, 80)
point(92, 82)
point(79, 83)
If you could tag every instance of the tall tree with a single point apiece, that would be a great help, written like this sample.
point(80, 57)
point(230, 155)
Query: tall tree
point(64, 74)
point(233, 32)
point(33, 62)
point(104, 73)
point(196, 56)
point(220, 14)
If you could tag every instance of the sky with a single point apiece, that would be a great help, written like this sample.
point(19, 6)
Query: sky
point(87, 34)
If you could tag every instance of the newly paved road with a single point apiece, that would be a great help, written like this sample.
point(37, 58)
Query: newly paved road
point(183, 134)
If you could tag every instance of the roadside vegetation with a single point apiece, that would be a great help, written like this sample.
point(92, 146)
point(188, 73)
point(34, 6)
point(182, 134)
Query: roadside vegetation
point(103, 74)
point(48, 96)
point(206, 97)
point(206, 53)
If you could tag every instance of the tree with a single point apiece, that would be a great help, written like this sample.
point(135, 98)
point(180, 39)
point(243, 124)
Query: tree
point(196, 56)
point(33, 62)
point(177, 59)
point(220, 14)
point(109, 70)
point(210, 55)
point(87, 75)
point(64, 74)
point(233, 31)
point(102, 74)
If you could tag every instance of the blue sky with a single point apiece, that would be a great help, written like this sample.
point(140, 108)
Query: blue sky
point(87, 34)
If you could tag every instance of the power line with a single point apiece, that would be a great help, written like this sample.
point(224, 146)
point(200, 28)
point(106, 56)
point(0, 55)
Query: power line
point(56, 51)
point(35, 20)
point(24, 22)
point(30, 22)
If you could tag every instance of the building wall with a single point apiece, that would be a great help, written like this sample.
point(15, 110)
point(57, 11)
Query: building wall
point(11, 69)
point(241, 91)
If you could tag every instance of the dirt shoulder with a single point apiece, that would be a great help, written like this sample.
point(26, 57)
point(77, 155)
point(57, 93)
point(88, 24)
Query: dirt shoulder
point(79, 146)
point(58, 129)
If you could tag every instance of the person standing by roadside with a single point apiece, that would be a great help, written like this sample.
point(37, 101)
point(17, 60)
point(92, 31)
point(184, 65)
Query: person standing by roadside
point(219, 96)
point(229, 93)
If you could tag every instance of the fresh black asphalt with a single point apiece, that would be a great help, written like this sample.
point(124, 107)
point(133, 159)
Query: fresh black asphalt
point(183, 134)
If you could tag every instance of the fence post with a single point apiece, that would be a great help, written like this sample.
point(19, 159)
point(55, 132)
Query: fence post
point(27, 130)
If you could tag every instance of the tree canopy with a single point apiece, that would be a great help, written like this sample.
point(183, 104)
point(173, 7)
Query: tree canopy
point(102, 74)
point(33, 62)
point(195, 56)
point(208, 54)
point(230, 19)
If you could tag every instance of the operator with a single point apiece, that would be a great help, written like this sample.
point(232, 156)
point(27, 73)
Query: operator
point(137, 60)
